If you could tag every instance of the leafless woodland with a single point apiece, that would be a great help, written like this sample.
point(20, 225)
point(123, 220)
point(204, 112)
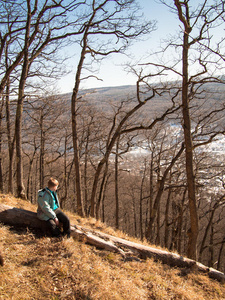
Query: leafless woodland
point(137, 157)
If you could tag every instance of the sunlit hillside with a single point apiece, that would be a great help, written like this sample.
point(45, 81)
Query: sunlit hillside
point(37, 267)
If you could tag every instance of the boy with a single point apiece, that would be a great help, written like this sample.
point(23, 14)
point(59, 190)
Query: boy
point(49, 210)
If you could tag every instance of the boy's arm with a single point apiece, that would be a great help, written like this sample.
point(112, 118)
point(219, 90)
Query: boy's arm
point(45, 207)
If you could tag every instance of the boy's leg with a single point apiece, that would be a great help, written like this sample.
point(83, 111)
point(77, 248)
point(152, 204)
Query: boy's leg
point(55, 231)
point(64, 220)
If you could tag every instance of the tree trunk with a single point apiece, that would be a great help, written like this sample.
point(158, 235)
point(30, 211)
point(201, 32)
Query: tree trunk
point(206, 232)
point(19, 109)
point(160, 192)
point(166, 230)
point(219, 261)
point(101, 191)
point(181, 221)
point(117, 183)
point(151, 190)
point(193, 232)
point(29, 184)
point(157, 238)
point(80, 210)
point(141, 197)
point(1, 172)
point(134, 215)
point(86, 206)
point(65, 181)
point(211, 249)
point(42, 151)
point(19, 163)
point(74, 100)
point(11, 142)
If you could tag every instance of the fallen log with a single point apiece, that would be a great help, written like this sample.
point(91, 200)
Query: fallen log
point(20, 217)
point(96, 241)
point(170, 258)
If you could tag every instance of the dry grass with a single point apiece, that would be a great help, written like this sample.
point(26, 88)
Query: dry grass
point(46, 268)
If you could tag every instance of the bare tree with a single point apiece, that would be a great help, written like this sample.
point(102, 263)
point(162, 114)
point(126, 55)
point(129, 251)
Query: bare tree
point(35, 24)
point(10, 138)
point(121, 126)
point(11, 28)
point(160, 190)
point(47, 118)
point(210, 15)
point(119, 24)
point(1, 142)
point(121, 149)
point(193, 72)
point(217, 204)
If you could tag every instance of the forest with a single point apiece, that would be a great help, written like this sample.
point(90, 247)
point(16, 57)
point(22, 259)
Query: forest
point(142, 158)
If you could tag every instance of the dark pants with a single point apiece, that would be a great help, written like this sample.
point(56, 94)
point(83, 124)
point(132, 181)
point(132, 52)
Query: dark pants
point(64, 220)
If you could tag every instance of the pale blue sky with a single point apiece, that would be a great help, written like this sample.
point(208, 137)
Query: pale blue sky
point(111, 71)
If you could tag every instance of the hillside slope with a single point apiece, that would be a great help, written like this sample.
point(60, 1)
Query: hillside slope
point(37, 267)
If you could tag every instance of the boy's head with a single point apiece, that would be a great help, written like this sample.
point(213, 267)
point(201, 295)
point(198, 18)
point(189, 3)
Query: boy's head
point(52, 183)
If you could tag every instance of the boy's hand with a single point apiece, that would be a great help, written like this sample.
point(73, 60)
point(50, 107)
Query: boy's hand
point(56, 221)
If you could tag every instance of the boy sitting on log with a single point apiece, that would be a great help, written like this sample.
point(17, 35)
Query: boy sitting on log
point(49, 210)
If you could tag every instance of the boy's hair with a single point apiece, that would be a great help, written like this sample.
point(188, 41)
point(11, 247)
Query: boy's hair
point(52, 182)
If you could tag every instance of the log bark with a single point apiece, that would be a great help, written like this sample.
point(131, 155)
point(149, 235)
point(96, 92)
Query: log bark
point(129, 250)
point(1, 260)
point(94, 240)
point(20, 217)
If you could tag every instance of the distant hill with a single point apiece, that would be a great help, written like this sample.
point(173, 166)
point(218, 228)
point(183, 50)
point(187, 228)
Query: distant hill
point(101, 97)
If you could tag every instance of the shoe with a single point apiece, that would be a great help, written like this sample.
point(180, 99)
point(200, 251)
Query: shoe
point(66, 234)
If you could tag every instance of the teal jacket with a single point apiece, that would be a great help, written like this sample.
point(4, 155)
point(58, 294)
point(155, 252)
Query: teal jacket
point(46, 204)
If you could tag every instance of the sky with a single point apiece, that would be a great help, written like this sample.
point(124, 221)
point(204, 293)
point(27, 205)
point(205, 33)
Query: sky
point(112, 71)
